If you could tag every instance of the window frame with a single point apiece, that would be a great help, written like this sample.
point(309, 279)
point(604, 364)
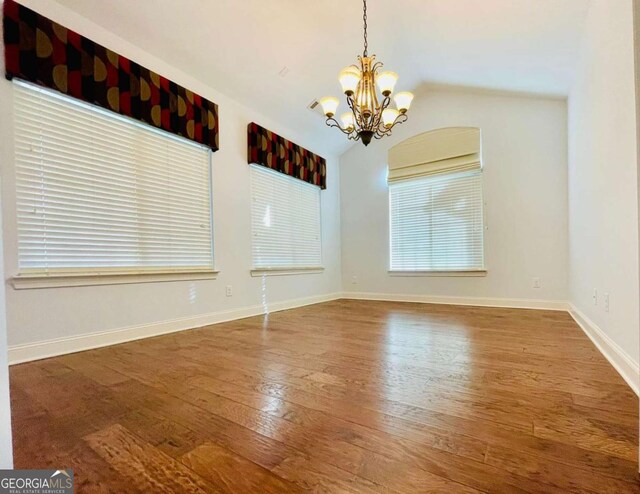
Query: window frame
point(259, 271)
point(473, 273)
point(84, 276)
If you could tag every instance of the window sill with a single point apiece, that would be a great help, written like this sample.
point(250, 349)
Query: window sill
point(258, 272)
point(472, 273)
point(31, 281)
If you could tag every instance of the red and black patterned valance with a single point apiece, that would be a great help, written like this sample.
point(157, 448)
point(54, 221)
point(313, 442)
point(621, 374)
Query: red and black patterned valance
point(41, 51)
point(268, 149)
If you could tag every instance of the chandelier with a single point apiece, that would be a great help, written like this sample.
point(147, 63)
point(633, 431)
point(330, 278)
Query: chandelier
point(370, 116)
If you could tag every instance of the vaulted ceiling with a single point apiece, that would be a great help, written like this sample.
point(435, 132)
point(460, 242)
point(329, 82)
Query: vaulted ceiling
point(278, 55)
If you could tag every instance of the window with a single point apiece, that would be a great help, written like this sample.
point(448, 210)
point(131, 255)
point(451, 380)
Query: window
point(285, 221)
point(437, 222)
point(98, 193)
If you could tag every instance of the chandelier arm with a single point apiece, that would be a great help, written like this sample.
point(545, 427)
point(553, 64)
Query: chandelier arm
point(400, 119)
point(383, 106)
point(383, 131)
point(378, 118)
point(350, 102)
point(355, 109)
point(332, 122)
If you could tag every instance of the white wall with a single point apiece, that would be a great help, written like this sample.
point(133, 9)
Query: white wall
point(603, 196)
point(6, 452)
point(45, 314)
point(525, 181)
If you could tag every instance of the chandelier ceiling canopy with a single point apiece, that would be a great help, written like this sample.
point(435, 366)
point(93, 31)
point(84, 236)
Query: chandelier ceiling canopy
point(370, 115)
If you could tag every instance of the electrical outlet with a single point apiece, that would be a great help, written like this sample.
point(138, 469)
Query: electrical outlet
point(229, 291)
point(354, 280)
point(606, 302)
point(595, 296)
point(536, 283)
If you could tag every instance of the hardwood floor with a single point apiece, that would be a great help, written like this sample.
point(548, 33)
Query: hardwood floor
point(346, 396)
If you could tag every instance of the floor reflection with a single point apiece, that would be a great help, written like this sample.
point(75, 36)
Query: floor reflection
point(422, 357)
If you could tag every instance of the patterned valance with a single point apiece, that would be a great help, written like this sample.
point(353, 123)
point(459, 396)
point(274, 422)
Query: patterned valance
point(41, 51)
point(268, 149)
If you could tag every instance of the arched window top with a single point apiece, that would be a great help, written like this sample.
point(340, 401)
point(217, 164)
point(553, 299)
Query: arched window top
point(436, 151)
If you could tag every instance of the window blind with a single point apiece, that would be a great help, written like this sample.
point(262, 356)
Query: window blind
point(97, 192)
point(285, 221)
point(436, 223)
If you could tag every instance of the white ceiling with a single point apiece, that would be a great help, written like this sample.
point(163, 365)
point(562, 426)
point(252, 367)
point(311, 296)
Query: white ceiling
point(241, 46)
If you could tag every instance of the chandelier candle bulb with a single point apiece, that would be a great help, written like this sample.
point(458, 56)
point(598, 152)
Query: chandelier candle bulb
point(387, 81)
point(389, 117)
point(403, 100)
point(370, 116)
point(349, 78)
point(347, 121)
point(329, 105)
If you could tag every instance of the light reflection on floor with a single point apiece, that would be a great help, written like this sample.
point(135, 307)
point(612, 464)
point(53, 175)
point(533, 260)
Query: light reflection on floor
point(265, 304)
point(416, 345)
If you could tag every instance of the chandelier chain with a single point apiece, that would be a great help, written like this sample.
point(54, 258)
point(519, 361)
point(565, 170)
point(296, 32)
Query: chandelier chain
point(364, 19)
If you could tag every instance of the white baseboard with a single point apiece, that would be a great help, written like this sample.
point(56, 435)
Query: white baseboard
point(515, 303)
point(61, 346)
point(617, 357)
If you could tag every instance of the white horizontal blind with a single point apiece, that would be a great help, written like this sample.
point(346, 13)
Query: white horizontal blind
point(437, 223)
point(97, 192)
point(285, 221)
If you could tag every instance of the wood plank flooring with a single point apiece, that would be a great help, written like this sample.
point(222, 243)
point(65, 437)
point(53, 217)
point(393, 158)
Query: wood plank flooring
point(346, 396)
